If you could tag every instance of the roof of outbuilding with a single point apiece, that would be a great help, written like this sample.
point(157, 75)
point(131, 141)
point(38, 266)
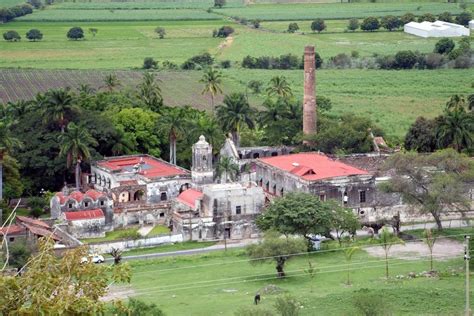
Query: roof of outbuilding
point(13, 230)
point(189, 197)
point(312, 166)
point(84, 215)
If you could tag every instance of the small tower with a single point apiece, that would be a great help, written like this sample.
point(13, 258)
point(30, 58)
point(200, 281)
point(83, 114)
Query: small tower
point(202, 171)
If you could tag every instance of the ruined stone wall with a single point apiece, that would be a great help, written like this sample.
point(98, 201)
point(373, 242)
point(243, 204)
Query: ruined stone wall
point(91, 228)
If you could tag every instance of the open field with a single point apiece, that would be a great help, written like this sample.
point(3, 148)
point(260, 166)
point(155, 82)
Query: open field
point(181, 4)
point(220, 283)
point(290, 12)
point(10, 3)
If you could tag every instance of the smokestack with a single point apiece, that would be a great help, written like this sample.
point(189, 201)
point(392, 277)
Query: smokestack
point(309, 100)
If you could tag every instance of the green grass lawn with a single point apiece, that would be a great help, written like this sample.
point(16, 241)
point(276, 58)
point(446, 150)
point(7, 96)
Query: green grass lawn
point(186, 245)
point(117, 234)
point(180, 4)
point(290, 12)
point(158, 230)
point(10, 3)
point(220, 283)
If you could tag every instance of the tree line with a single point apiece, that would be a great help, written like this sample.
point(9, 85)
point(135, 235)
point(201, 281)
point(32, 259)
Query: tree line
point(8, 14)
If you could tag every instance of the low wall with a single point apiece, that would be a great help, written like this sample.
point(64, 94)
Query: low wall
point(137, 243)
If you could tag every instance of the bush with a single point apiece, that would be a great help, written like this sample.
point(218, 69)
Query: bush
point(353, 25)
point(355, 54)
point(226, 64)
point(150, 63)
point(11, 36)
point(341, 61)
point(427, 17)
point(390, 22)
point(368, 303)
point(135, 307)
point(463, 18)
point(405, 59)
point(421, 136)
point(287, 306)
point(256, 24)
point(224, 31)
point(407, 18)
point(446, 17)
point(169, 65)
point(252, 311)
point(35, 3)
point(293, 27)
point(129, 234)
point(161, 32)
point(19, 255)
point(219, 3)
point(433, 60)
point(462, 62)
point(255, 86)
point(34, 35)
point(202, 60)
point(75, 33)
point(444, 46)
point(318, 25)
point(386, 62)
point(370, 24)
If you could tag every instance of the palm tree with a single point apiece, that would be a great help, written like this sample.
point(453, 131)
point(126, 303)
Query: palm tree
point(173, 123)
point(235, 113)
point(470, 102)
point(85, 89)
point(60, 105)
point(456, 102)
point(111, 82)
point(75, 147)
point(386, 240)
point(274, 111)
point(226, 169)
point(122, 144)
point(455, 129)
point(279, 87)
point(150, 93)
point(212, 80)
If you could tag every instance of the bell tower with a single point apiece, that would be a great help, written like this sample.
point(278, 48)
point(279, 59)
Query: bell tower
point(202, 171)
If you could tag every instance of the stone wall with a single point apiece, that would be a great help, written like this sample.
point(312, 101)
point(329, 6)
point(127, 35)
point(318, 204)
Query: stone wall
point(138, 243)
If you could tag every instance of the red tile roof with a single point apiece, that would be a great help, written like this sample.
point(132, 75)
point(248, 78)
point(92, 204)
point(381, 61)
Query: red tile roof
point(312, 166)
point(39, 231)
point(62, 198)
point(12, 230)
point(76, 195)
point(189, 197)
point(151, 167)
point(94, 194)
point(84, 215)
point(32, 221)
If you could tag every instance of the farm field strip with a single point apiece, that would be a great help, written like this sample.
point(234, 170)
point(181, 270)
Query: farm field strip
point(182, 4)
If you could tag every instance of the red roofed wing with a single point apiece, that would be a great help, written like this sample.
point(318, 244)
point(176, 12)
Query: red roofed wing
point(84, 215)
point(189, 197)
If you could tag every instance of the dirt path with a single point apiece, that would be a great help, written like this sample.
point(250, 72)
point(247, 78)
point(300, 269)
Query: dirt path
point(444, 249)
point(118, 293)
point(226, 43)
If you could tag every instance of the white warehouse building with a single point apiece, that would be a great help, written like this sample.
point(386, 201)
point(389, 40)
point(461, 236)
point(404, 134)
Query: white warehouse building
point(436, 29)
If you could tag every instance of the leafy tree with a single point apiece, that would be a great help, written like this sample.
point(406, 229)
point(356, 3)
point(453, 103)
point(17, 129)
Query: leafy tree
point(318, 25)
point(348, 253)
point(255, 86)
point(173, 124)
point(353, 24)
point(256, 23)
point(6, 15)
point(13, 182)
point(111, 82)
point(386, 240)
point(224, 31)
point(445, 16)
point(421, 136)
point(75, 147)
point(149, 92)
point(370, 24)
point(274, 248)
point(343, 221)
point(407, 18)
point(430, 238)
point(137, 308)
point(37, 4)
point(161, 32)
point(208, 126)
point(212, 80)
point(59, 285)
point(432, 184)
point(293, 27)
point(390, 22)
point(279, 87)
point(444, 46)
point(227, 169)
point(219, 3)
point(75, 33)
point(93, 31)
point(11, 36)
point(427, 17)
point(18, 256)
point(234, 114)
point(60, 108)
point(150, 63)
point(34, 35)
point(287, 306)
point(463, 18)
point(405, 59)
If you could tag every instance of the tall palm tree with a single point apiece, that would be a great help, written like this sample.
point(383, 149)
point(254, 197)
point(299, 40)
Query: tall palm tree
point(470, 102)
point(456, 102)
point(111, 82)
point(274, 111)
point(456, 129)
point(279, 87)
point(235, 113)
point(59, 107)
point(7, 143)
point(149, 92)
point(226, 169)
point(75, 147)
point(212, 80)
point(173, 123)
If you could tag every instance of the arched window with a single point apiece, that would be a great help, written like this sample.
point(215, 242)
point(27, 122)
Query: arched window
point(256, 155)
point(163, 196)
point(267, 186)
point(108, 183)
point(274, 189)
point(281, 192)
point(124, 197)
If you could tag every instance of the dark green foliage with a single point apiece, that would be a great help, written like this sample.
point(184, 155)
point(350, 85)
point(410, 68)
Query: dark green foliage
point(150, 63)
point(219, 3)
point(318, 25)
point(407, 18)
point(444, 46)
point(463, 18)
point(137, 308)
point(11, 36)
point(19, 254)
point(445, 16)
point(256, 24)
point(341, 61)
point(224, 31)
point(427, 17)
point(255, 86)
point(13, 183)
point(405, 59)
point(287, 306)
point(390, 22)
point(369, 303)
point(370, 24)
point(202, 61)
point(226, 64)
point(288, 61)
point(353, 24)
point(34, 35)
point(36, 3)
point(421, 136)
point(161, 32)
point(293, 27)
point(75, 33)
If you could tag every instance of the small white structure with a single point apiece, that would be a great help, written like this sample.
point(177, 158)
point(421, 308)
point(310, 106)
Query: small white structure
point(436, 29)
point(471, 24)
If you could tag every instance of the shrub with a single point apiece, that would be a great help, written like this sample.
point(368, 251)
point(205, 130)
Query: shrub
point(255, 86)
point(11, 36)
point(243, 21)
point(169, 65)
point(256, 24)
point(318, 25)
point(188, 65)
point(433, 60)
point(202, 60)
point(252, 311)
point(341, 61)
point(150, 63)
point(407, 18)
point(6, 15)
point(405, 59)
point(226, 64)
point(427, 17)
point(287, 306)
point(353, 25)
point(390, 22)
point(462, 62)
point(421, 136)
point(370, 24)
point(35, 3)
point(368, 303)
point(355, 54)
point(219, 3)
point(386, 62)
point(293, 27)
point(463, 18)
point(34, 35)
point(249, 62)
point(445, 16)
point(75, 33)
point(444, 46)
point(224, 31)
point(129, 234)
point(161, 32)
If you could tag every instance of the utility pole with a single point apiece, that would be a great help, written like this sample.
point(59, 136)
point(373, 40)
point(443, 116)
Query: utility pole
point(466, 259)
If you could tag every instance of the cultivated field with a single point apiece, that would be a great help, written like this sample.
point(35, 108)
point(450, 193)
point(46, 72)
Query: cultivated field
point(182, 4)
point(10, 3)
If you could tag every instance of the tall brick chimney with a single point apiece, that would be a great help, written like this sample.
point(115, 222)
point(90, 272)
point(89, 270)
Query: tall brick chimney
point(309, 100)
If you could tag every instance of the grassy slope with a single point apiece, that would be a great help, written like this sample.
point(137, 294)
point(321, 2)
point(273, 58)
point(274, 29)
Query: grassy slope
point(194, 285)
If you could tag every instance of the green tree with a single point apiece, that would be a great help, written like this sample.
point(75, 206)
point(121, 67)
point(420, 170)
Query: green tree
point(405, 59)
point(34, 35)
point(318, 25)
point(234, 114)
point(149, 92)
point(390, 22)
point(212, 80)
point(60, 107)
point(111, 82)
point(445, 16)
point(255, 86)
point(93, 31)
point(209, 127)
point(463, 18)
point(293, 27)
point(343, 221)
point(279, 87)
point(311, 272)
point(421, 136)
point(75, 33)
point(348, 254)
point(444, 46)
point(75, 145)
point(136, 307)
point(433, 184)
point(455, 129)
point(274, 248)
point(386, 240)
point(11, 36)
point(430, 239)
point(353, 24)
point(173, 124)
point(427, 17)
point(227, 169)
point(219, 3)
point(161, 32)
point(18, 256)
point(370, 24)
point(149, 63)
point(13, 185)
point(407, 18)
